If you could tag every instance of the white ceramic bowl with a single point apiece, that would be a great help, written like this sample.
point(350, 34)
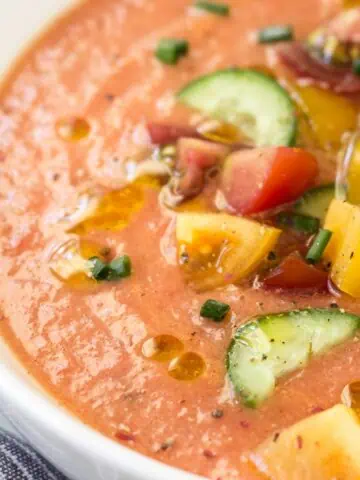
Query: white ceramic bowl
point(80, 452)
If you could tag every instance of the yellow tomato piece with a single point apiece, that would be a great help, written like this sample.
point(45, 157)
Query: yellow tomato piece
point(345, 272)
point(353, 176)
point(322, 447)
point(351, 3)
point(219, 249)
point(343, 251)
point(337, 220)
point(329, 115)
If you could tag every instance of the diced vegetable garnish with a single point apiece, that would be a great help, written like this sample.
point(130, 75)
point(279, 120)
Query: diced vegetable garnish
point(294, 272)
point(356, 67)
point(120, 268)
point(348, 172)
point(276, 33)
point(270, 346)
point(318, 246)
point(255, 103)
point(194, 158)
point(316, 202)
point(201, 153)
point(330, 115)
point(161, 134)
point(213, 7)
point(298, 222)
point(115, 270)
point(220, 249)
point(259, 179)
point(306, 65)
point(170, 50)
point(215, 310)
point(99, 269)
point(337, 221)
point(343, 251)
point(321, 447)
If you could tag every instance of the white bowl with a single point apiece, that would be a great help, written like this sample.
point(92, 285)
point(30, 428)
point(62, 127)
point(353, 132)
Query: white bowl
point(79, 451)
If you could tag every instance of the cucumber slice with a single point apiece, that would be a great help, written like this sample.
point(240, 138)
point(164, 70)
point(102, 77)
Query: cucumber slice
point(316, 202)
point(251, 100)
point(270, 346)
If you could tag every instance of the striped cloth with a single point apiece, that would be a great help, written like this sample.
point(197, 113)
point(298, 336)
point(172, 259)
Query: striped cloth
point(18, 461)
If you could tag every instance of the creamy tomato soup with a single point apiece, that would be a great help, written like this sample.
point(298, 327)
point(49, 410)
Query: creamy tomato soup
point(132, 193)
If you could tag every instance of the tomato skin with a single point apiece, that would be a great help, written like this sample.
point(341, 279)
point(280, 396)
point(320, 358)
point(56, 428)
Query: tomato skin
point(294, 272)
point(194, 158)
point(263, 178)
point(164, 134)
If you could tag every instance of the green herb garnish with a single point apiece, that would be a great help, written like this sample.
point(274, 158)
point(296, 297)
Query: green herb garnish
point(120, 268)
point(215, 310)
point(301, 223)
point(170, 50)
point(356, 66)
point(99, 269)
point(212, 7)
point(276, 33)
point(115, 270)
point(318, 246)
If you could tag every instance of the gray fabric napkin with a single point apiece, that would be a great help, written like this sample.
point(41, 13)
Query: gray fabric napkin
point(18, 461)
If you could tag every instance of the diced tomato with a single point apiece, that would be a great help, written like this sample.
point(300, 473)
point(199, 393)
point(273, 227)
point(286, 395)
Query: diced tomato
point(194, 157)
point(201, 153)
point(191, 182)
point(294, 272)
point(165, 134)
point(263, 178)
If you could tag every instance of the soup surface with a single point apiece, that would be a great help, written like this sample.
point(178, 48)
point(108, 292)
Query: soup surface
point(73, 131)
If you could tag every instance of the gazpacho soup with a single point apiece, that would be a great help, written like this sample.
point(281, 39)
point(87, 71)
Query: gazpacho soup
point(180, 230)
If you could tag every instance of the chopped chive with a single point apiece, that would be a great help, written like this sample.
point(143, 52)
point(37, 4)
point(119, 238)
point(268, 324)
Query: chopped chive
point(276, 33)
point(318, 246)
point(214, 310)
point(99, 270)
point(170, 50)
point(119, 268)
point(301, 223)
point(356, 66)
point(212, 7)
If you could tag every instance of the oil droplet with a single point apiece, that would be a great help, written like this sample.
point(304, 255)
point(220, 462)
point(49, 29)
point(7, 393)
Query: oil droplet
point(162, 348)
point(68, 266)
point(187, 367)
point(72, 129)
point(80, 280)
point(114, 210)
point(90, 249)
point(350, 396)
point(219, 131)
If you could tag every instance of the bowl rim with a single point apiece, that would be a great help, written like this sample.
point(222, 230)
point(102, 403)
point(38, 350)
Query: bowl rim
point(79, 436)
point(43, 410)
